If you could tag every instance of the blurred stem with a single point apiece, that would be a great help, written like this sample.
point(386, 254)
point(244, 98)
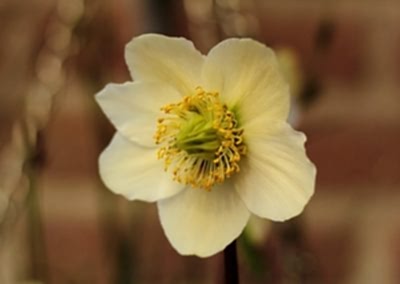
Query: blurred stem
point(38, 248)
point(254, 257)
point(36, 233)
point(231, 264)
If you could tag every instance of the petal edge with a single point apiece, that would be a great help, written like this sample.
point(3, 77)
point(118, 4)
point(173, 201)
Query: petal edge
point(277, 179)
point(197, 222)
point(134, 171)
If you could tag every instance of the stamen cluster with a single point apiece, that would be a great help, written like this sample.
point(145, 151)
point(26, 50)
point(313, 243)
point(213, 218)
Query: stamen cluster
point(200, 140)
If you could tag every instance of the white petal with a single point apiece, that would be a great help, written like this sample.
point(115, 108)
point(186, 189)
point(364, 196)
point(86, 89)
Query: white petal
point(276, 178)
point(203, 223)
point(170, 60)
point(134, 108)
point(247, 75)
point(135, 172)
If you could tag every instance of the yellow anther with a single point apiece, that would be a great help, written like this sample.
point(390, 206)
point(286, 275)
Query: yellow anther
point(200, 140)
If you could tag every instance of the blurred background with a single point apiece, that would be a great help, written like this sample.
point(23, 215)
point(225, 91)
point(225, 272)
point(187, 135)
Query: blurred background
point(58, 224)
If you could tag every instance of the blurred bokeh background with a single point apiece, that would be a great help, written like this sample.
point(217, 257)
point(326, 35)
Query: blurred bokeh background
point(58, 224)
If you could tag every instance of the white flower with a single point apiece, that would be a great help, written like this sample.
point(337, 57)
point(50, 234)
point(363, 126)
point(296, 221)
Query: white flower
point(205, 137)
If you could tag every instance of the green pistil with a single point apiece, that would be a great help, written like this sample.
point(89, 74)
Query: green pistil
point(198, 136)
point(200, 140)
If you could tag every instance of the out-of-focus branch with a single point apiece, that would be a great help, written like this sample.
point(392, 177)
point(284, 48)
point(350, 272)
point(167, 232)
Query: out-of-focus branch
point(23, 156)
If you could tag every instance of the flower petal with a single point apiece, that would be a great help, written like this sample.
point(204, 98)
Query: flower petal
point(203, 223)
point(134, 171)
point(247, 75)
point(171, 60)
point(134, 108)
point(276, 179)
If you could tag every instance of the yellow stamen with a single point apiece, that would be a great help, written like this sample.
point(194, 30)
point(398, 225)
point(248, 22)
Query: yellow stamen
point(200, 140)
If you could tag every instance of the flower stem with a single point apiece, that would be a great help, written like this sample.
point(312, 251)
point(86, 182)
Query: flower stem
point(231, 265)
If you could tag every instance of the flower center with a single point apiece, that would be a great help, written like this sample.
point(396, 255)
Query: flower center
point(200, 140)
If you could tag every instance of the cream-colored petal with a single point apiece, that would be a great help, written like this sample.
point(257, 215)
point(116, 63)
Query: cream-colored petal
point(171, 60)
point(276, 178)
point(135, 172)
point(247, 76)
point(133, 108)
point(197, 222)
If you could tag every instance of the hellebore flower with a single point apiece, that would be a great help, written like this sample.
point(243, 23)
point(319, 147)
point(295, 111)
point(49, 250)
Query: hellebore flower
point(206, 138)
